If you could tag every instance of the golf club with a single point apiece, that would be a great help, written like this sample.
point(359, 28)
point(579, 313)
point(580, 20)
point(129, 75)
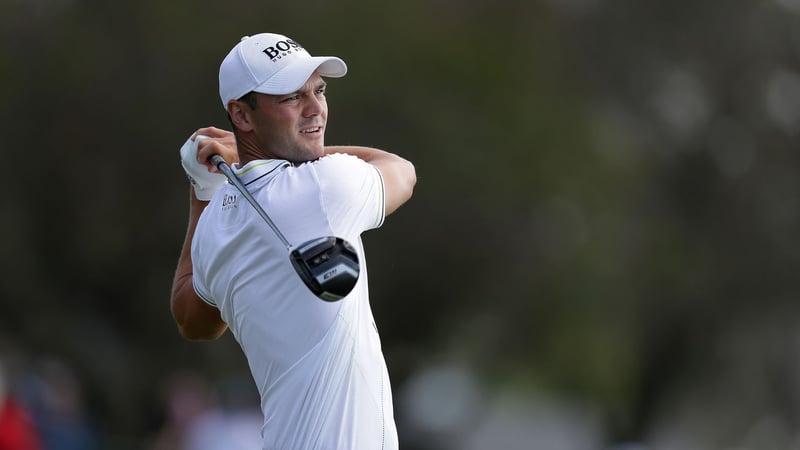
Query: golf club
point(328, 265)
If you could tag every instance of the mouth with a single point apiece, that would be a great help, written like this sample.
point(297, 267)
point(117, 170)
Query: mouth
point(311, 130)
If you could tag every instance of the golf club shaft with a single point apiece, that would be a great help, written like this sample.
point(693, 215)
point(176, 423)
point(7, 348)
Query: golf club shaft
point(234, 180)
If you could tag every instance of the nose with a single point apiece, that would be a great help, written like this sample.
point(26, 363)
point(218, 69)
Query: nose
point(313, 106)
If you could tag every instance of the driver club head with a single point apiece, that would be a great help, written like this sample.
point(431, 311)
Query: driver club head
point(329, 266)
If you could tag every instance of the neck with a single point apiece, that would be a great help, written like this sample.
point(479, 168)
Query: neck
point(248, 149)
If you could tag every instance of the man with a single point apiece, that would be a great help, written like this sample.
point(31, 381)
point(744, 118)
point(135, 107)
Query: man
point(318, 365)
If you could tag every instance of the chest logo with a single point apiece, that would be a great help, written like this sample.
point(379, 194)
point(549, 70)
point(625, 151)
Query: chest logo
point(229, 202)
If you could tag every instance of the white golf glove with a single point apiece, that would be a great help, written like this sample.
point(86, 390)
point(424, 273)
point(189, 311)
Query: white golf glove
point(205, 183)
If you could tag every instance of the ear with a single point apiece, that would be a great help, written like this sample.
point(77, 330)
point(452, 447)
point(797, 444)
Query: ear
point(240, 115)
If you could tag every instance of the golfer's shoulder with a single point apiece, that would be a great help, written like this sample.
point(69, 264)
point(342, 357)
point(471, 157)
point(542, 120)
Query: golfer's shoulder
point(344, 174)
point(342, 166)
point(340, 160)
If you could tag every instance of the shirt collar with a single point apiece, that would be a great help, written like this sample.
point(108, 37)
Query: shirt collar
point(259, 168)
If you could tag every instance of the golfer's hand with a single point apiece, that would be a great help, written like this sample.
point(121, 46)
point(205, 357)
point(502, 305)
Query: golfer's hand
point(219, 142)
point(194, 158)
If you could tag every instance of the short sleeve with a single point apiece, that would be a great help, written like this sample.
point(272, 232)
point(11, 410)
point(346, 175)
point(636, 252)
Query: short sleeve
point(200, 288)
point(352, 191)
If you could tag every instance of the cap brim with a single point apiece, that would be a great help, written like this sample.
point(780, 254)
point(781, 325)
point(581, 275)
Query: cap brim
point(294, 76)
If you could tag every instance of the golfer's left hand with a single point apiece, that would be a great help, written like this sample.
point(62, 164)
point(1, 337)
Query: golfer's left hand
point(203, 175)
point(218, 142)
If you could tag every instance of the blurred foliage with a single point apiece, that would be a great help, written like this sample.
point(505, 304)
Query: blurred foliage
point(606, 209)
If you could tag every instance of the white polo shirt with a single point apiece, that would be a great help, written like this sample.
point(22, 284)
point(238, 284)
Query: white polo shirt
point(318, 365)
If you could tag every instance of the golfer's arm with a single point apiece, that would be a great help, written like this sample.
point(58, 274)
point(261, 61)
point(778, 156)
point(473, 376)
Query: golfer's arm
point(196, 319)
point(399, 175)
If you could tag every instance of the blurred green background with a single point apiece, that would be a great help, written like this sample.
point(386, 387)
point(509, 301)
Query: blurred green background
point(601, 251)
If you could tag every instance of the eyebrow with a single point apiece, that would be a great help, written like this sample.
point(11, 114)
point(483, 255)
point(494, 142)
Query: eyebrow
point(322, 84)
point(319, 85)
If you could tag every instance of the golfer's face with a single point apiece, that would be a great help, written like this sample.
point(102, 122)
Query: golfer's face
point(292, 126)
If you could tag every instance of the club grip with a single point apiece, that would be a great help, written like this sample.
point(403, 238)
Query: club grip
point(216, 160)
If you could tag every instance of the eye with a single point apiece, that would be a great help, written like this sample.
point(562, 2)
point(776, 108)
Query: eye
point(291, 98)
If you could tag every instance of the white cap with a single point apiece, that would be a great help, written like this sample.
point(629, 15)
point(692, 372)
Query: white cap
point(271, 64)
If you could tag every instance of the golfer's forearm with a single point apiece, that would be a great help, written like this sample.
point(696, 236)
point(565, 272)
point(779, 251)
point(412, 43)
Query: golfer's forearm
point(184, 268)
point(195, 318)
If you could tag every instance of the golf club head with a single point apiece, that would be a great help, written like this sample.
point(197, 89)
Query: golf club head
point(328, 266)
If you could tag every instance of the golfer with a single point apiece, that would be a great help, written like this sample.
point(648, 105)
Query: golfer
point(318, 365)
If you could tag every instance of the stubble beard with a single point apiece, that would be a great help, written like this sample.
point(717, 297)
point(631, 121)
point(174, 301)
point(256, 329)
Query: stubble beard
point(306, 152)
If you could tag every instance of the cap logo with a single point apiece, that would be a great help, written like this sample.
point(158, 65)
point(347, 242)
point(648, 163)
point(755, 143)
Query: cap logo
point(281, 49)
